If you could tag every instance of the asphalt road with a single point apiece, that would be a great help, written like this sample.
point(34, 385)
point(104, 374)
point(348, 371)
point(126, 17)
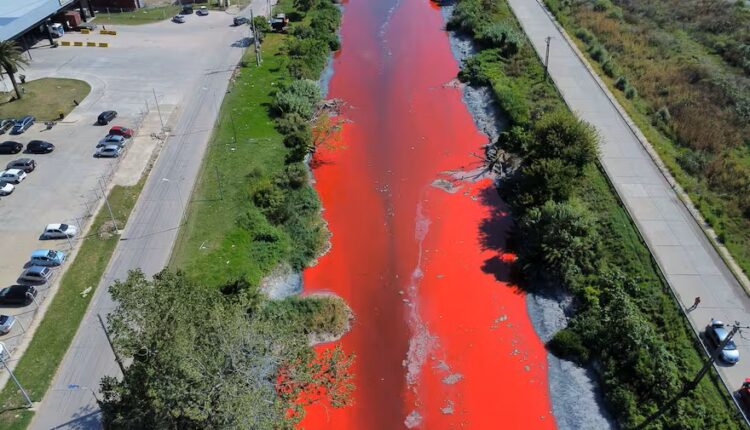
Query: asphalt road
point(688, 260)
point(147, 239)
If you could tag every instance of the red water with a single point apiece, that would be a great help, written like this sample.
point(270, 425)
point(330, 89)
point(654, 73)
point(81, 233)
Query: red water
point(442, 340)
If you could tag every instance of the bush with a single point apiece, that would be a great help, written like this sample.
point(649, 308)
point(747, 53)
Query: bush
point(598, 52)
point(568, 345)
point(291, 123)
point(307, 57)
point(585, 35)
point(602, 5)
point(630, 92)
point(559, 241)
point(561, 135)
point(300, 98)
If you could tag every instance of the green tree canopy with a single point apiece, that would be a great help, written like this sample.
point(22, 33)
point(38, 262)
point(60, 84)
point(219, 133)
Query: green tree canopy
point(206, 360)
point(12, 59)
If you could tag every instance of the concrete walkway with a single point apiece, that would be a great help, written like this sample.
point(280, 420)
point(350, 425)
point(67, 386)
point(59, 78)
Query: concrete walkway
point(690, 263)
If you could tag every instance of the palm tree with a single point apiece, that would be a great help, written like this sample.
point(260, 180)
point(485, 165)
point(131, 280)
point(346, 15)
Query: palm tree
point(11, 59)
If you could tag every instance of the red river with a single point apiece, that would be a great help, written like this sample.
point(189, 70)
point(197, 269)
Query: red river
point(442, 340)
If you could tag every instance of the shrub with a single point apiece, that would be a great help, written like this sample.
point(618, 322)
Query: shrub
point(598, 52)
point(608, 67)
point(559, 241)
point(299, 97)
point(585, 35)
point(568, 345)
point(630, 92)
point(621, 83)
point(561, 135)
point(602, 5)
point(307, 57)
point(291, 123)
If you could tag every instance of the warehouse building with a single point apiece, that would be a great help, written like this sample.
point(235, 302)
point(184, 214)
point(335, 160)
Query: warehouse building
point(27, 20)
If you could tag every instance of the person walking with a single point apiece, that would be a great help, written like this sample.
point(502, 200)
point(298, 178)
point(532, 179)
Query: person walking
point(695, 304)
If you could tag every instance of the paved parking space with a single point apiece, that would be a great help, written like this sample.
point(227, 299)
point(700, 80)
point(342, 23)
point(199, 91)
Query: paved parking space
point(162, 62)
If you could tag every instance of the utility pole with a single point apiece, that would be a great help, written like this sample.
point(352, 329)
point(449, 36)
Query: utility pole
point(234, 129)
point(547, 39)
point(255, 39)
point(690, 385)
point(268, 2)
point(106, 200)
point(158, 110)
point(26, 397)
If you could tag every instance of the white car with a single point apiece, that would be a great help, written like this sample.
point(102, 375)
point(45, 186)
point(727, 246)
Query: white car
point(6, 188)
point(109, 151)
point(12, 175)
point(111, 139)
point(59, 231)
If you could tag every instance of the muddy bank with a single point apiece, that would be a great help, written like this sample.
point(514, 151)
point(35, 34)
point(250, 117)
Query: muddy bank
point(576, 399)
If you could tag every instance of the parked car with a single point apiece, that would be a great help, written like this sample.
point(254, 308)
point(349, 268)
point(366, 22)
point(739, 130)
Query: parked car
point(6, 124)
point(6, 188)
point(187, 9)
point(12, 175)
point(203, 11)
point(59, 231)
point(22, 124)
point(26, 164)
point(10, 147)
point(47, 257)
point(106, 116)
point(179, 19)
point(39, 147)
point(119, 130)
point(6, 323)
point(17, 295)
point(239, 20)
point(111, 139)
point(716, 332)
point(108, 151)
point(37, 275)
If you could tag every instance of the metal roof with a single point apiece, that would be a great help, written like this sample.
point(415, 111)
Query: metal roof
point(16, 16)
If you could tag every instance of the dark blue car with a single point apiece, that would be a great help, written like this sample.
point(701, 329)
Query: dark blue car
point(23, 124)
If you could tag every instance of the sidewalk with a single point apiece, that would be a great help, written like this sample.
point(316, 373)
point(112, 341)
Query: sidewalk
point(684, 254)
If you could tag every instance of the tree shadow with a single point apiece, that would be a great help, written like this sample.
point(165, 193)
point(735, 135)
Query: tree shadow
point(87, 418)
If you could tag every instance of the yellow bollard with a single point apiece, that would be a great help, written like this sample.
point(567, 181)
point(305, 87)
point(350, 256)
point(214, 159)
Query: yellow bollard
point(64, 43)
point(84, 31)
point(103, 32)
point(77, 43)
point(112, 32)
point(90, 43)
point(103, 45)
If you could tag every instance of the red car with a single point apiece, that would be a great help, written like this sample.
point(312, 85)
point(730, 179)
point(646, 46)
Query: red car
point(121, 131)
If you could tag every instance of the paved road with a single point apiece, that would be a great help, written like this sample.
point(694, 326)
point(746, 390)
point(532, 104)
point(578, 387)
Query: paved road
point(686, 257)
point(146, 242)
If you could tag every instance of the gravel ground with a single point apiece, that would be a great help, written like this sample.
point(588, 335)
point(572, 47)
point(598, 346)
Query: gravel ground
point(576, 398)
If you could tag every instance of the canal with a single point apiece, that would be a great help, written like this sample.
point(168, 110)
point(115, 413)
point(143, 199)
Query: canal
point(442, 338)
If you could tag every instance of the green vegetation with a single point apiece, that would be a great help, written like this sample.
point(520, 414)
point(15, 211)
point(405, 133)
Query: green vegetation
point(680, 69)
point(12, 59)
point(139, 16)
point(246, 362)
point(573, 234)
point(221, 359)
point(52, 338)
point(47, 99)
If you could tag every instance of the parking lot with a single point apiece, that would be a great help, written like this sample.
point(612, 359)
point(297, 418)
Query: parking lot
point(161, 62)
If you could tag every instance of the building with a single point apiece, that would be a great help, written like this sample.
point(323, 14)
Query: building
point(26, 20)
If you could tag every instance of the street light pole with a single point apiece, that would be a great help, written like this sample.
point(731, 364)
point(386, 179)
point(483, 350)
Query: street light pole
point(106, 200)
point(158, 110)
point(26, 397)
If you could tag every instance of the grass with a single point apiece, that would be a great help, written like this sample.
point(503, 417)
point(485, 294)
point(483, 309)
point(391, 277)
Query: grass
point(660, 70)
point(222, 192)
point(137, 17)
point(45, 98)
point(55, 333)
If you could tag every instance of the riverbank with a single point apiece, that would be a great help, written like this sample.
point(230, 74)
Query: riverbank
point(573, 235)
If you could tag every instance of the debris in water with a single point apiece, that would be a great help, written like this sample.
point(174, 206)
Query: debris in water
point(448, 408)
point(413, 420)
point(453, 378)
point(445, 185)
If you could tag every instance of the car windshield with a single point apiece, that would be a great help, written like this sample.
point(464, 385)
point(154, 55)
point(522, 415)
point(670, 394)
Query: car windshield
point(52, 254)
point(63, 227)
point(3, 319)
point(730, 346)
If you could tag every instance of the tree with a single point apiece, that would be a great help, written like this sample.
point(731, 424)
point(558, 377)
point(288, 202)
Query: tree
point(560, 134)
point(559, 240)
point(202, 359)
point(11, 59)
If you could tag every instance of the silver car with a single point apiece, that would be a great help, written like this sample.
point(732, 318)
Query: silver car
point(6, 323)
point(109, 151)
point(35, 275)
point(716, 332)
